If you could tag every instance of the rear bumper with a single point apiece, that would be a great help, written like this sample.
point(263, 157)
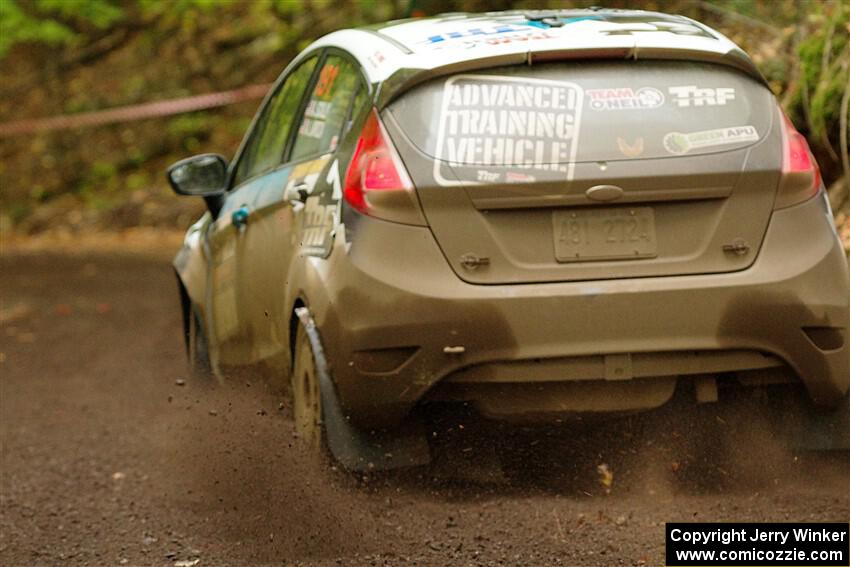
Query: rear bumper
point(396, 320)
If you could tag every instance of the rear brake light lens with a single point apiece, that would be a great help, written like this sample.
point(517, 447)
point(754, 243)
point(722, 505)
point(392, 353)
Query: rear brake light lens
point(376, 182)
point(801, 178)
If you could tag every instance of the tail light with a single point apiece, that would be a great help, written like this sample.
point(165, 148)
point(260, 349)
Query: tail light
point(801, 178)
point(376, 182)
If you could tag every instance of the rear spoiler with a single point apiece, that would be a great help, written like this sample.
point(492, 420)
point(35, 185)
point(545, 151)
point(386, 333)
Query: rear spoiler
point(406, 78)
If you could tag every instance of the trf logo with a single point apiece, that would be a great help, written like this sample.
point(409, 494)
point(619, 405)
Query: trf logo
point(691, 95)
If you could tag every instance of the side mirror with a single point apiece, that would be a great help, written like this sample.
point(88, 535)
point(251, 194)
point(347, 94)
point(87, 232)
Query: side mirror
point(204, 175)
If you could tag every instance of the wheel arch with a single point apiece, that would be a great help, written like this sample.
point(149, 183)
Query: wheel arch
point(357, 449)
point(305, 287)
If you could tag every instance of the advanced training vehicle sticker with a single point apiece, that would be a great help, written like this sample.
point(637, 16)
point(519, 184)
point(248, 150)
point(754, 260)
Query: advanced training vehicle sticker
point(530, 124)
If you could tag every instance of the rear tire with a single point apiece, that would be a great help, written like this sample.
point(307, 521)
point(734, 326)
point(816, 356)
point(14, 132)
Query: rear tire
point(307, 395)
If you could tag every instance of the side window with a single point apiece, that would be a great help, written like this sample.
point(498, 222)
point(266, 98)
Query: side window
point(360, 100)
point(327, 108)
point(268, 140)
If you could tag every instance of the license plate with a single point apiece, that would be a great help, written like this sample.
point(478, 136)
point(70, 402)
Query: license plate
point(604, 234)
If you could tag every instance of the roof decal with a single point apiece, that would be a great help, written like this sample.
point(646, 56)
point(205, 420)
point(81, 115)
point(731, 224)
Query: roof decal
point(443, 33)
point(549, 23)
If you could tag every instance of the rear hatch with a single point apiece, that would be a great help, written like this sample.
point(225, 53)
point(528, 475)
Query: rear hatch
point(592, 170)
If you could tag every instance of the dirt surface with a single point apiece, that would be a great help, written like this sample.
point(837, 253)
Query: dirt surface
point(109, 458)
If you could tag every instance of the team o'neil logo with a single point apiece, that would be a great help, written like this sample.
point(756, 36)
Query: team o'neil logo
point(625, 98)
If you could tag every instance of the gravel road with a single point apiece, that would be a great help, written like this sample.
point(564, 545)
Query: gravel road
point(109, 458)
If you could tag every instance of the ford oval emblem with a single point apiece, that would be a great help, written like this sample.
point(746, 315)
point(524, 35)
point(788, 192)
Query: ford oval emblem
point(604, 193)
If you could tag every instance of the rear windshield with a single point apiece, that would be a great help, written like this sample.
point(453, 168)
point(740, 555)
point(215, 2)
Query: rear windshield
point(558, 113)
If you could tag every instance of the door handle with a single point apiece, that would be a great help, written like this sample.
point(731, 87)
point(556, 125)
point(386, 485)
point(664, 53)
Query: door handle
point(300, 192)
point(239, 218)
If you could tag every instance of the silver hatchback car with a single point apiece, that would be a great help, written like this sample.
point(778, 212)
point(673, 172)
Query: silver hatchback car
point(536, 214)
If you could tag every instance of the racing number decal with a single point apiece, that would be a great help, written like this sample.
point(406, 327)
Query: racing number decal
point(333, 179)
point(327, 76)
point(316, 221)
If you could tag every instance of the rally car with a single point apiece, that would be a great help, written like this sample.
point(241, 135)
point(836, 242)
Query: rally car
point(536, 214)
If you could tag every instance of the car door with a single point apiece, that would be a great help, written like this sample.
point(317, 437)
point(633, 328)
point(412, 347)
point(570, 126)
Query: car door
point(257, 169)
point(291, 213)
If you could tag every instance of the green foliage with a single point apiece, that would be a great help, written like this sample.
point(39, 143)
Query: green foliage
point(102, 170)
point(99, 13)
point(16, 26)
point(188, 124)
point(137, 180)
point(823, 57)
point(18, 211)
point(52, 22)
point(119, 52)
point(102, 176)
point(179, 9)
point(65, 22)
point(189, 129)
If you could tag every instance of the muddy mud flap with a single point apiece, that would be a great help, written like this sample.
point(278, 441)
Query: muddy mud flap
point(355, 449)
point(825, 430)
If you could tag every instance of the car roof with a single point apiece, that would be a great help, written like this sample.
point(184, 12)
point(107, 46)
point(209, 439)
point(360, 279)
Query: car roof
point(464, 31)
point(399, 54)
